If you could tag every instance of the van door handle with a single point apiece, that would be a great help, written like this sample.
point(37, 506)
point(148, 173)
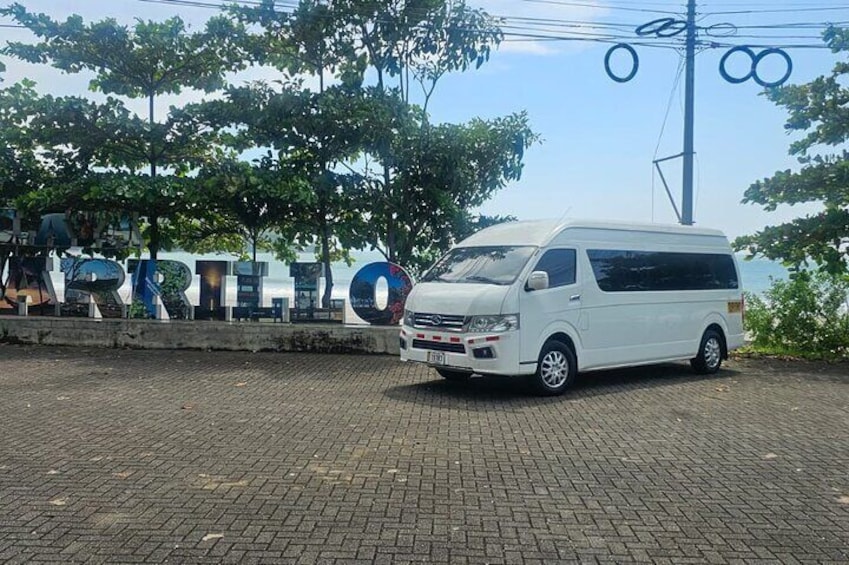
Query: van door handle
point(574, 297)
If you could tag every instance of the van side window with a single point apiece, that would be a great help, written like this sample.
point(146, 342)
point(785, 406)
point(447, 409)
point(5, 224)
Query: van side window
point(634, 271)
point(560, 266)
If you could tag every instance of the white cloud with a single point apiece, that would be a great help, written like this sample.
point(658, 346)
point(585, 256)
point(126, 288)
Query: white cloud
point(518, 17)
point(52, 81)
point(528, 48)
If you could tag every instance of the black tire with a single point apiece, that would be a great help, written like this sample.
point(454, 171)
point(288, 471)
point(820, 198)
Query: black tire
point(452, 375)
point(557, 369)
point(709, 357)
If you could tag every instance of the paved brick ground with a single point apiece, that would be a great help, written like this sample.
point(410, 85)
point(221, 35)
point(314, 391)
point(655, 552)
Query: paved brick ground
point(191, 457)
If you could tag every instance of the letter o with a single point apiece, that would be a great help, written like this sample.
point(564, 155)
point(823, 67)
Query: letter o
point(362, 293)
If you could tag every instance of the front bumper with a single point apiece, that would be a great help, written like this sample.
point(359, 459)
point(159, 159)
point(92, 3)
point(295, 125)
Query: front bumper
point(485, 353)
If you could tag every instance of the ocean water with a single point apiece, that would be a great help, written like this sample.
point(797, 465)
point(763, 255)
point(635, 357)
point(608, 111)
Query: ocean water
point(756, 277)
point(758, 274)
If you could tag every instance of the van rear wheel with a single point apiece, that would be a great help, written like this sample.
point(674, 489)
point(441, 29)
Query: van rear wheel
point(452, 375)
point(709, 357)
point(557, 368)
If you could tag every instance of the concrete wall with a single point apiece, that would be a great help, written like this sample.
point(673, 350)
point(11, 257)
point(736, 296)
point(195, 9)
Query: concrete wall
point(229, 336)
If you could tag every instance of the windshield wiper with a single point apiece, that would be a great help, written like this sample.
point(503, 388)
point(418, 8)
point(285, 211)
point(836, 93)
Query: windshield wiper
point(438, 278)
point(480, 278)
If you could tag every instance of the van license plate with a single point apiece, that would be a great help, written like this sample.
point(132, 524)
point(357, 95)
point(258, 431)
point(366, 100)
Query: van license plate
point(436, 357)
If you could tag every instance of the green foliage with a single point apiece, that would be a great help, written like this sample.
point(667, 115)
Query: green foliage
point(819, 109)
point(247, 200)
point(20, 169)
point(430, 177)
point(805, 316)
point(138, 310)
point(349, 166)
point(149, 59)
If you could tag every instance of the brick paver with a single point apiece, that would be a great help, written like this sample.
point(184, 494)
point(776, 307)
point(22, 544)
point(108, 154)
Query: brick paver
point(204, 457)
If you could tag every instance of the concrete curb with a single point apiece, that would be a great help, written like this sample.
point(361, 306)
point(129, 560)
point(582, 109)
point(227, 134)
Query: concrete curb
point(203, 335)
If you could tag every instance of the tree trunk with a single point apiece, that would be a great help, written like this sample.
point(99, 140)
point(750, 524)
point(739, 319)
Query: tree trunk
point(390, 221)
point(325, 258)
point(153, 246)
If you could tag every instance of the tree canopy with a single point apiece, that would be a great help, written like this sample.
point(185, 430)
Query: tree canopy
point(351, 163)
point(819, 110)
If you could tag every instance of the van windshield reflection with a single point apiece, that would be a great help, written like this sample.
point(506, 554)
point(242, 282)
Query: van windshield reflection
point(498, 265)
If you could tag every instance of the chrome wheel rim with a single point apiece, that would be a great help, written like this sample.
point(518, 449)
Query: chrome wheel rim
point(712, 353)
point(554, 369)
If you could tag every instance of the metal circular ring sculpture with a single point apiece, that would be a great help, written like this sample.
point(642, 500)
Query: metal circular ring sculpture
point(662, 27)
point(756, 59)
point(635, 65)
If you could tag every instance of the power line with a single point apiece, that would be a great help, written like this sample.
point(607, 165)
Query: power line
point(675, 85)
point(780, 11)
point(525, 28)
point(602, 6)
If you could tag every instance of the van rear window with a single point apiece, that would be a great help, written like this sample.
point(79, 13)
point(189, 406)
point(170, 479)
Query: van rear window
point(635, 271)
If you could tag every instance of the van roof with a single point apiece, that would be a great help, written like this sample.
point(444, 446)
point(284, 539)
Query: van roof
point(540, 232)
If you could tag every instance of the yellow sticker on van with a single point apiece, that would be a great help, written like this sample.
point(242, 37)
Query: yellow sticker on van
point(735, 307)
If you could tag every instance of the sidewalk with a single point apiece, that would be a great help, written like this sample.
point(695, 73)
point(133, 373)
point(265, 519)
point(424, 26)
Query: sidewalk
point(120, 456)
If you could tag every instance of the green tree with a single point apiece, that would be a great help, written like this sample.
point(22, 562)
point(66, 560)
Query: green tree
point(373, 133)
point(60, 143)
point(806, 316)
point(316, 133)
point(306, 134)
point(145, 61)
point(21, 171)
point(362, 135)
point(420, 179)
point(437, 174)
point(248, 206)
point(818, 109)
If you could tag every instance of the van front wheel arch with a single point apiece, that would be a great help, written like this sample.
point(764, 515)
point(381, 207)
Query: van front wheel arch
point(708, 359)
point(557, 369)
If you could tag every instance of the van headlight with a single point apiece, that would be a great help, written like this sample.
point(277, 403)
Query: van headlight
point(505, 323)
point(409, 318)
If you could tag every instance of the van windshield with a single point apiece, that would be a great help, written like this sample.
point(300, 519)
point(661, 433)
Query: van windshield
point(489, 265)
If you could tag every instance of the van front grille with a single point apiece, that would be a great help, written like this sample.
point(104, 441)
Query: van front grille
point(439, 346)
point(441, 321)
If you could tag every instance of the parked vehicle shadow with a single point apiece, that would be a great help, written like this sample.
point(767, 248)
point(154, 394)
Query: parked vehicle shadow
point(509, 392)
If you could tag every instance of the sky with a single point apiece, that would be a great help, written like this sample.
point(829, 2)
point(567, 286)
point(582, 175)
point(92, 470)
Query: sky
point(599, 137)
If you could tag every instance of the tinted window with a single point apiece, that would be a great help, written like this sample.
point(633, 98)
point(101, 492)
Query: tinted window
point(627, 271)
point(560, 266)
point(490, 265)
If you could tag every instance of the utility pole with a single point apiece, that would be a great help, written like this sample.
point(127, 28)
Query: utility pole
point(689, 113)
point(670, 27)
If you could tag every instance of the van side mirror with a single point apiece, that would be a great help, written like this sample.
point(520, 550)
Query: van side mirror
point(538, 280)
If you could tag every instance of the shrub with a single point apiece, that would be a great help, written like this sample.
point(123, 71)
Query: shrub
point(805, 316)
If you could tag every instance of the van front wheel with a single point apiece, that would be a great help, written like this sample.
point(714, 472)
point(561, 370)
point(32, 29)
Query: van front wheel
point(709, 357)
point(556, 369)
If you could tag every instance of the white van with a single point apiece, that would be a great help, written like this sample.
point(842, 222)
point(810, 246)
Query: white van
point(547, 299)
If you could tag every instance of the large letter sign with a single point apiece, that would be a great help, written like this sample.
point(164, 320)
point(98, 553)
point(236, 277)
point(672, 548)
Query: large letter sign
point(307, 278)
point(213, 289)
point(99, 279)
point(145, 289)
point(362, 293)
point(29, 282)
point(176, 280)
